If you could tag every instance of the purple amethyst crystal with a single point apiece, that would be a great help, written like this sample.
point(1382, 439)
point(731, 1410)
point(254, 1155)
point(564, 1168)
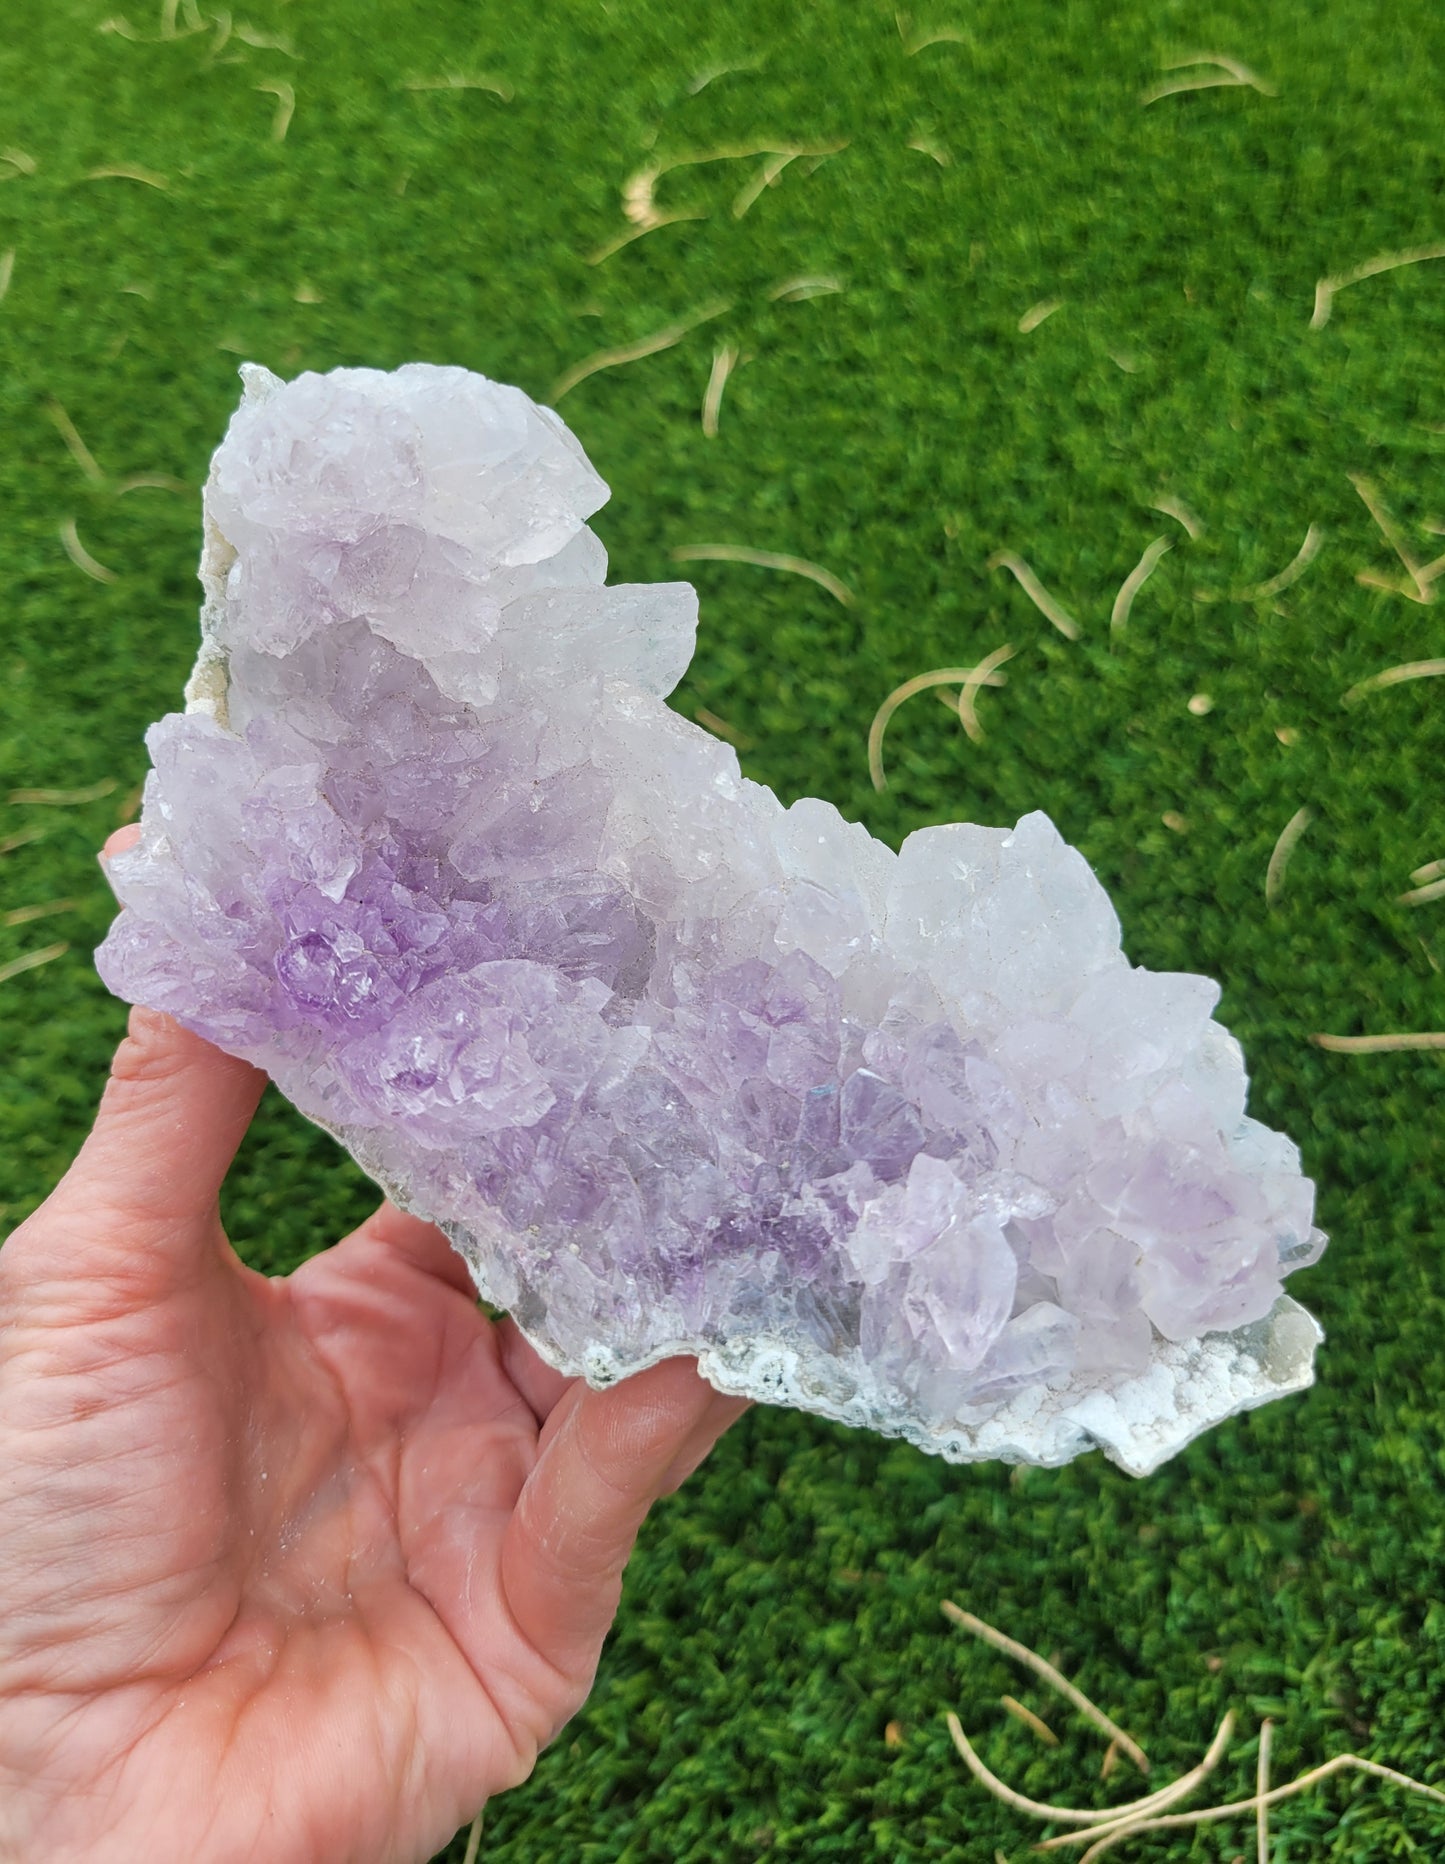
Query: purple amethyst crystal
point(903, 1139)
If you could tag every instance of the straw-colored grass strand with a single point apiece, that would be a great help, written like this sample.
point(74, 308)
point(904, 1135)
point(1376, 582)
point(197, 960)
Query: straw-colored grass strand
point(1375, 505)
point(1135, 581)
point(1092, 1819)
point(81, 557)
point(1261, 1788)
point(1292, 571)
point(1284, 847)
point(724, 361)
point(1105, 1841)
point(1181, 513)
point(285, 95)
point(1392, 1044)
point(74, 445)
point(32, 961)
point(1395, 676)
point(1051, 610)
point(62, 799)
point(634, 352)
point(1036, 1723)
point(1328, 289)
point(766, 560)
point(127, 171)
point(984, 674)
point(1041, 1667)
point(45, 909)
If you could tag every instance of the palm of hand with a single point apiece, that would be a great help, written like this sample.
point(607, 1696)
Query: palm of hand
point(295, 1569)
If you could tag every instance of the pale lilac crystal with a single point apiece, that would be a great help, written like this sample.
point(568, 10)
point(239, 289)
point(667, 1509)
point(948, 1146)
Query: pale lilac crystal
point(677, 1068)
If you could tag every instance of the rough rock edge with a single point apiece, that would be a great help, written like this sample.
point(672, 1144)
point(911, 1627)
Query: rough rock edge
point(1139, 1421)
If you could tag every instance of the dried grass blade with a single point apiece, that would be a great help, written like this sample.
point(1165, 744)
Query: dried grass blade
point(1054, 1678)
point(1380, 1045)
point(720, 728)
point(639, 204)
point(1292, 571)
point(766, 560)
point(1375, 506)
point(126, 171)
point(1039, 313)
point(945, 35)
point(1209, 1815)
point(1204, 81)
point(152, 481)
point(1036, 592)
point(1283, 849)
point(74, 445)
point(1236, 69)
point(285, 95)
point(798, 290)
point(1064, 1815)
point(31, 961)
point(711, 73)
point(933, 148)
point(1094, 1820)
point(458, 83)
point(1135, 581)
point(1261, 1787)
point(1177, 509)
point(635, 233)
point(634, 352)
point(765, 177)
point(1395, 676)
point(1327, 288)
point(724, 361)
point(939, 676)
point(81, 557)
point(1026, 1715)
point(257, 40)
point(27, 915)
point(1411, 591)
point(1121, 1820)
point(984, 674)
point(64, 799)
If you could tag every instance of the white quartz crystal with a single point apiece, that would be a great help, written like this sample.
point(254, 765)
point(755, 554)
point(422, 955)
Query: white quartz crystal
point(903, 1139)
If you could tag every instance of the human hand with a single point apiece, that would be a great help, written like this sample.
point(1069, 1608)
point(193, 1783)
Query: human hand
point(293, 1569)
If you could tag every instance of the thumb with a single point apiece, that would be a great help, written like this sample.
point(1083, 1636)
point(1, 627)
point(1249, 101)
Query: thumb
point(173, 1113)
point(606, 1457)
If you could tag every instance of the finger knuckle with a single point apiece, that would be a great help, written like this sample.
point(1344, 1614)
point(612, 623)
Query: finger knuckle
point(150, 1052)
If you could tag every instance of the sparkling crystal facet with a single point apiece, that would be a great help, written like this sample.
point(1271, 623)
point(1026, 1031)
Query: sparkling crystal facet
point(901, 1138)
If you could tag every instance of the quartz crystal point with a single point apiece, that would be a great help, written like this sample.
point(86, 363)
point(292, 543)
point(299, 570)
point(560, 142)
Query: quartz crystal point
point(902, 1139)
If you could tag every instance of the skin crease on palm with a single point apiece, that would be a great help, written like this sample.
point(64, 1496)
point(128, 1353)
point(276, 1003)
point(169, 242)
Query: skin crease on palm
point(298, 1568)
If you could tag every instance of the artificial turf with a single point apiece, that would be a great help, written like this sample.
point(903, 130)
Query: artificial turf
point(783, 1610)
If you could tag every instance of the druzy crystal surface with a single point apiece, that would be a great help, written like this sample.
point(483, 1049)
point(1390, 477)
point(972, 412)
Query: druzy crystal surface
point(901, 1138)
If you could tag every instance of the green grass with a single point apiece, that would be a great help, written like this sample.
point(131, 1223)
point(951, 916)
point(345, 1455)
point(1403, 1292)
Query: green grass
point(784, 1608)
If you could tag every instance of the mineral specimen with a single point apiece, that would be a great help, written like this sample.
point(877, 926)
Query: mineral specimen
point(899, 1138)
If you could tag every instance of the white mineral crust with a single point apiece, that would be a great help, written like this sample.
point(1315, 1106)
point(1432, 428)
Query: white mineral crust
point(902, 1139)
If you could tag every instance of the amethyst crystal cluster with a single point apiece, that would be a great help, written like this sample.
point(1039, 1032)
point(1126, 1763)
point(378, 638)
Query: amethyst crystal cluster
point(902, 1138)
